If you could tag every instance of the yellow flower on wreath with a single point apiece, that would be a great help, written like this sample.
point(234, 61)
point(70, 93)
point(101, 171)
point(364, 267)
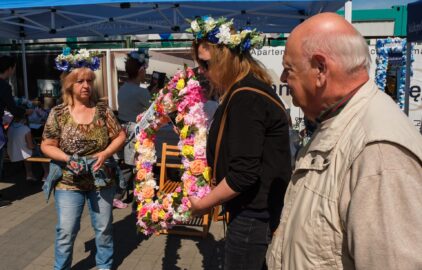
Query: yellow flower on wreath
point(207, 174)
point(184, 132)
point(180, 84)
point(187, 150)
point(137, 145)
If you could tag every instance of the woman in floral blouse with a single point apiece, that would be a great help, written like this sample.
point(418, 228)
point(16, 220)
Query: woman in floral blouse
point(84, 134)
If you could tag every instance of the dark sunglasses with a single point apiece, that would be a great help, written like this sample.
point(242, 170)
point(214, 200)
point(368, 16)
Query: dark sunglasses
point(204, 64)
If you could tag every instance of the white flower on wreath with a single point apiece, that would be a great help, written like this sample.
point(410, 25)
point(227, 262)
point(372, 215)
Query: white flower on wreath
point(195, 26)
point(224, 36)
point(151, 183)
point(183, 91)
point(209, 24)
point(84, 53)
point(149, 177)
point(147, 155)
point(201, 136)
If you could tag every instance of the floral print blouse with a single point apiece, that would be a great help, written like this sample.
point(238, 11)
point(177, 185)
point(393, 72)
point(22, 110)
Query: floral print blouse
point(81, 139)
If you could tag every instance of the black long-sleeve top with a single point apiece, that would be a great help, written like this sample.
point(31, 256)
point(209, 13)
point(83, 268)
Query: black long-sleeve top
point(254, 153)
point(7, 101)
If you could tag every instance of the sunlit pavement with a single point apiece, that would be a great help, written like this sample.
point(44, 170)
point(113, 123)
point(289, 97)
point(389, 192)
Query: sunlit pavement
point(27, 230)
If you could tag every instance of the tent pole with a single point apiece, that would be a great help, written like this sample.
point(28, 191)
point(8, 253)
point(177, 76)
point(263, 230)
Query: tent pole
point(407, 84)
point(25, 75)
point(348, 11)
point(108, 72)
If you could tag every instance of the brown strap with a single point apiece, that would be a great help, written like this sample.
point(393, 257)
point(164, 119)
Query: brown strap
point(223, 122)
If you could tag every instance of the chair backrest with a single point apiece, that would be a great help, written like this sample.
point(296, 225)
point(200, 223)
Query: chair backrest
point(166, 162)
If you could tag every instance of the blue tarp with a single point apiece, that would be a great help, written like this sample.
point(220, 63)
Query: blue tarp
point(31, 19)
point(414, 21)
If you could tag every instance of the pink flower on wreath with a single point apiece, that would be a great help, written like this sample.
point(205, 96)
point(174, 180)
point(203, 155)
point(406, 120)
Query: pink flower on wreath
point(182, 105)
point(189, 141)
point(143, 135)
point(196, 115)
point(186, 202)
point(186, 163)
point(143, 212)
point(193, 188)
point(203, 191)
point(193, 84)
point(190, 73)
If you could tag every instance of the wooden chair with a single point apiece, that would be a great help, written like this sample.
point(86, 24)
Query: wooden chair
point(169, 185)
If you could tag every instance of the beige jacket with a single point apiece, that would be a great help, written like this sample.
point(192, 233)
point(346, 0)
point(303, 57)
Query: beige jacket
point(355, 198)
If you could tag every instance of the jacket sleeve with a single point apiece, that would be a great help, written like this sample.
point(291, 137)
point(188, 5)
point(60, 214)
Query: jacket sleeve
point(10, 104)
point(245, 135)
point(384, 215)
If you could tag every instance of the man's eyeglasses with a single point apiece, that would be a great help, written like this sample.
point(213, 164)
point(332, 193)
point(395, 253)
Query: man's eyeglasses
point(204, 64)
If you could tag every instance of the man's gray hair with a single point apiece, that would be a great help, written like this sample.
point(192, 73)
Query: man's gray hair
point(351, 51)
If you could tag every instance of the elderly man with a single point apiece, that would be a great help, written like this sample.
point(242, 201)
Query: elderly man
point(354, 200)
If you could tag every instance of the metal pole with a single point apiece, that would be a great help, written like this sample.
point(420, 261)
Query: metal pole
point(108, 74)
point(348, 11)
point(407, 84)
point(25, 75)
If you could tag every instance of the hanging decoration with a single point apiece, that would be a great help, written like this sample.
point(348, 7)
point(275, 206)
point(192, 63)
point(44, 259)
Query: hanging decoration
point(386, 48)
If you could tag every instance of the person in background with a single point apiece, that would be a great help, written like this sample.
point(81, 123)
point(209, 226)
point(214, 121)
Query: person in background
point(252, 161)
point(83, 134)
point(7, 70)
point(354, 200)
point(20, 146)
point(132, 100)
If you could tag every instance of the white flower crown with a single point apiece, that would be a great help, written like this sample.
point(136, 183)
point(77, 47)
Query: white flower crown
point(219, 32)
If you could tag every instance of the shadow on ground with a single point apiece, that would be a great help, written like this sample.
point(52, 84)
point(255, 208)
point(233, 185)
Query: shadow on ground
point(14, 173)
point(126, 239)
point(212, 252)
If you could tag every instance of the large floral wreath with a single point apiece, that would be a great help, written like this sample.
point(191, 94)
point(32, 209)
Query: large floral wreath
point(157, 211)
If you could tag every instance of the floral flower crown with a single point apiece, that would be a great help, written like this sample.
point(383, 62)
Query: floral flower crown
point(219, 32)
point(68, 60)
point(141, 55)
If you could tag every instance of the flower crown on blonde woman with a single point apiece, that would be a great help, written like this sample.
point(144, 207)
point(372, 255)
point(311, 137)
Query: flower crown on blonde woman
point(68, 60)
point(219, 31)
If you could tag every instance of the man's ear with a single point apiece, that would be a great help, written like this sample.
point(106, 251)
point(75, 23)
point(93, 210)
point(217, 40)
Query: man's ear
point(320, 63)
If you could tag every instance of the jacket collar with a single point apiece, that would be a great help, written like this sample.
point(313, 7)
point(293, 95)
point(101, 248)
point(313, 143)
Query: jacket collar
point(329, 131)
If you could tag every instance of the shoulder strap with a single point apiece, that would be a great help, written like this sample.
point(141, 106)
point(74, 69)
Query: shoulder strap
point(223, 123)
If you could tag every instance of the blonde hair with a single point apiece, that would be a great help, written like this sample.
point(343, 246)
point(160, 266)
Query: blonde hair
point(68, 79)
point(228, 66)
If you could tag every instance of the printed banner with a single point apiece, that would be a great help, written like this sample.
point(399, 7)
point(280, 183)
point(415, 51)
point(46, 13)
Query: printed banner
point(271, 58)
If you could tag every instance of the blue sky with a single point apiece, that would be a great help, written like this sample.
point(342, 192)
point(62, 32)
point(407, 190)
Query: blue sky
point(376, 4)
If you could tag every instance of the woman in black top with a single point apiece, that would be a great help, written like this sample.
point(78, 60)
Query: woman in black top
point(253, 163)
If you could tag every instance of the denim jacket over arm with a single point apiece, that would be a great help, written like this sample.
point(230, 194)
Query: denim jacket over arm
point(101, 177)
